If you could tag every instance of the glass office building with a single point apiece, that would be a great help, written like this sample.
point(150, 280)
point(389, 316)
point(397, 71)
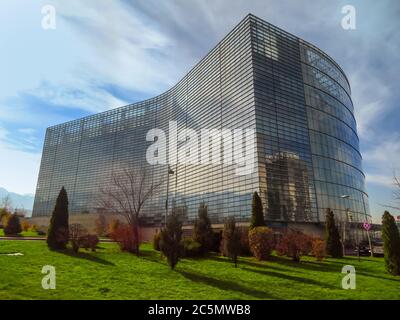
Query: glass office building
point(295, 97)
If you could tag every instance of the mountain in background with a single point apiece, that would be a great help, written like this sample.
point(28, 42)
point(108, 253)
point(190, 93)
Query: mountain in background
point(19, 201)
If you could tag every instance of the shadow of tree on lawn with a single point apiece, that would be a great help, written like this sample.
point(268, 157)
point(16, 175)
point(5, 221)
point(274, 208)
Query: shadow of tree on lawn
point(226, 285)
point(307, 265)
point(292, 278)
point(256, 264)
point(328, 266)
point(86, 256)
point(151, 256)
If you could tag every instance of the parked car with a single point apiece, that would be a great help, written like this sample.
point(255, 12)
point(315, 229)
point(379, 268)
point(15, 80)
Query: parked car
point(377, 248)
point(363, 249)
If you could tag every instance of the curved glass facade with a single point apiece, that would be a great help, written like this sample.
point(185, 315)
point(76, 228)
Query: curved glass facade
point(260, 77)
point(333, 135)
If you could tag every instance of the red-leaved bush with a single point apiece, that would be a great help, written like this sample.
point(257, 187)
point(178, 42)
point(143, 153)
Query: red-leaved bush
point(261, 242)
point(294, 244)
point(113, 226)
point(89, 241)
point(125, 236)
point(319, 249)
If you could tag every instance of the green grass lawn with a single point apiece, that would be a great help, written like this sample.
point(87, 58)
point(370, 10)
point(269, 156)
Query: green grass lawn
point(23, 234)
point(110, 274)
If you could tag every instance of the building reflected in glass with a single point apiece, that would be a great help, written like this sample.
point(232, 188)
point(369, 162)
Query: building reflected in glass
point(288, 188)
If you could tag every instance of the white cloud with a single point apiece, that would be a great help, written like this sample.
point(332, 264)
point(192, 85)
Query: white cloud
point(371, 102)
point(80, 95)
point(382, 160)
point(386, 153)
point(367, 116)
point(28, 131)
point(379, 179)
point(124, 49)
point(19, 169)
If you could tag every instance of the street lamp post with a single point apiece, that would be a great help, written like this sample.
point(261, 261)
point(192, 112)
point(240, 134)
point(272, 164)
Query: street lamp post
point(345, 196)
point(354, 236)
point(344, 236)
point(170, 171)
point(367, 226)
point(358, 241)
point(348, 218)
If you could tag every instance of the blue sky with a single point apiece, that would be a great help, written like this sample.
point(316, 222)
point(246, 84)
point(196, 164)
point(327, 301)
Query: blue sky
point(105, 54)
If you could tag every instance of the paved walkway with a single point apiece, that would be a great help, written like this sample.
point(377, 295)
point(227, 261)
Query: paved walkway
point(40, 238)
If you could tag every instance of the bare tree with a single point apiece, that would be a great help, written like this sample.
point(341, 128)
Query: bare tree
point(22, 212)
point(101, 225)
point(76, 232)
point(126, 195)
point(6, 203)
point(396, 193)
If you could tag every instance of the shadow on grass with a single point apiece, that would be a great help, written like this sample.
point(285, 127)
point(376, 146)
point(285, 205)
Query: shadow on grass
point(308, 265)
point(291, 278)
point(320, 266)
point(329, 266)
point(151, 255)
point(263, 264)
point(86, 256)
point(226, 285)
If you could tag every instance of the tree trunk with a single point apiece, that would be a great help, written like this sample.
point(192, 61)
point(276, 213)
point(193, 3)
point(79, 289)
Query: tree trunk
point(136, 237)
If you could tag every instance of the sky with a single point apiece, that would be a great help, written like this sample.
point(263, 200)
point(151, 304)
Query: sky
point(103, 54)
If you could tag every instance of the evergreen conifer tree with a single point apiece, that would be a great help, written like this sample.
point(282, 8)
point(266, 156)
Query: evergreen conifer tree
point(391, 243)
point(13, 226)
point(332, 237)
point(257, 215)
point(231, 240)
point(202, 231)
point(170, 239)
point(57, 235)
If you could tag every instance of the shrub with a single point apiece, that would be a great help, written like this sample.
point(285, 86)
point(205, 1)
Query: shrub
point(231, 240)
point(33, 228)
point(57, 235)
point(156, 241)
point(76, 232)
point(261, 241)
point(202, 231)
point(257, 215)
point(25, 225)
point(124, 235)
point(191, 248)
point(332, 237)
point(113, 226)
point(89, 241)
point(319, 249)
point(101, 225)
point(170, 241)
point(244, 241)
point(4, 220)
point(13, 226)
point(216, 241)
point(391, 244)
point(41, 230)
point(4, 216)
point(222, 246)
point(294, 244)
